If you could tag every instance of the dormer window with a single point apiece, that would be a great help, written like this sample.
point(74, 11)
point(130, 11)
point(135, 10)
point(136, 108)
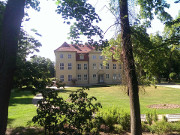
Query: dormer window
point(81, 56)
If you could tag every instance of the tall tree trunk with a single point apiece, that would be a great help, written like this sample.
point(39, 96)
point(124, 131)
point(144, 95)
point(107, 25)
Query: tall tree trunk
point(8, 49)
point(130, 69)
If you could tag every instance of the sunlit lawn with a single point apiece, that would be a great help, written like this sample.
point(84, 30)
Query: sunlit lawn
point(21, 109)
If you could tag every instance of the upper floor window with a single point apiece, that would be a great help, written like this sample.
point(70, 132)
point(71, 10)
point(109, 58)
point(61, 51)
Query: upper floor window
point(100, 66)
point(100, 57)
point(81, 56)
point(119, 66)
point(69, 77)
point(114, 66)
point(107, 76)
point(69, 56)
point(94, 57)
point(85, 77)
point(78, 66)
point(61, 66)
point(85, 66)
point(79, 77)
point(69, 66)
point(61, 78)
point(94, 66)
point(107, 65)
point(61, 56)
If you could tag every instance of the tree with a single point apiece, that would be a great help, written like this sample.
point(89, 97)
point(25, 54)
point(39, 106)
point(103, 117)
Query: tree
point(10, 29)
point(8, 49)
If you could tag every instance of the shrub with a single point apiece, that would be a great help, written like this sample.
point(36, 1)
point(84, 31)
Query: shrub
point(161, 127)
point(74, 117)
point(60, 84)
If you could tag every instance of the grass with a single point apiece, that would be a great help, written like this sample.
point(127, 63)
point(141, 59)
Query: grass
point(21, 109)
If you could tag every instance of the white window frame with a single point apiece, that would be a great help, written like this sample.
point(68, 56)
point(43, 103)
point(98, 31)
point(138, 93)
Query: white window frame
point(61, 56)
point(100, 66)
point(61, 66)
point(107, 76)
point(79, 66)
point(79, 77)
point(81, 56)
point(69, 66)
point(85, 66)
point(114, 66)
point(69, 77)
point(94, 57)
point(94, 65)
point(85, 77)
point(114, 77)
point(62, 78)
point(107, 65)
point(69, 56)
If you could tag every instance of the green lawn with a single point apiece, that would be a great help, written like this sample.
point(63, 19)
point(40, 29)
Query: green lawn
point(21, 109)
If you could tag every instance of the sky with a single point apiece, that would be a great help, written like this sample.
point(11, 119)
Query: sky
point(54, 32)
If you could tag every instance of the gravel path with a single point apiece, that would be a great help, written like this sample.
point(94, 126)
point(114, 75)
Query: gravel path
point(170, 85)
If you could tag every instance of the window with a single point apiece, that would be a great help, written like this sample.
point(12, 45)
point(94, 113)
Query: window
point(61, 66)
point(114, 76)
point(69, 56)
point(61, 56)
point(81, 56)
point(94, 66)
point(107, 65)
point(119, 66)
point(61, 78)
point(100, 57)
point(78, 77)
point(94, 57)
point(114, 66)
point(78, 66)
point(94, 76)
point(69, 66)
point(107, 76)
point(69, 77)
point(100, 66)
point(119, 76)
point(85, 66)
point(85, 77)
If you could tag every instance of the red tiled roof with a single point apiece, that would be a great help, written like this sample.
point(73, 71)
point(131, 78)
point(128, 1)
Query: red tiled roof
point(76, 48)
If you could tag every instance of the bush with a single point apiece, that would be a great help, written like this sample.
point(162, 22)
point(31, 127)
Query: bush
point(161, 127)
point(74, 117)
point(60, 84)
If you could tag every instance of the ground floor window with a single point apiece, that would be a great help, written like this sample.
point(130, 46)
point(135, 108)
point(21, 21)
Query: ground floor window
point(79, 77)
point(61, 78)
point(107, 76)
point(85, 77)
point(69, 77)
point(114, 76)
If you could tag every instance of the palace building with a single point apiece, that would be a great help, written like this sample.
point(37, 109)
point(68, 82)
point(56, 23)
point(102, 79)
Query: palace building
point(84, 64)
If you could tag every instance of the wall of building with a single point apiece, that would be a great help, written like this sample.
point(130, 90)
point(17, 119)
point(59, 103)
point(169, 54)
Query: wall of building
point(66, 71)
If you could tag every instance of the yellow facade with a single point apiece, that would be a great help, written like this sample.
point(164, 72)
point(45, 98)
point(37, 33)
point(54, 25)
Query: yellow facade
point(88, 71)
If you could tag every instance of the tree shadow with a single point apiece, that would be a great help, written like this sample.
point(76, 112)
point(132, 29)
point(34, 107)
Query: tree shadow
point(10, 120)
point(15, 101)
point(25, 131)
point(65, 91)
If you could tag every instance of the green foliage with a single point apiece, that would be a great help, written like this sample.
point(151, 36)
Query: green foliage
point(35, 73)
point(84, 15)
point(172, 76)
point(115, 119)
point(60, 84)
point(76, 116)
point(161, 127)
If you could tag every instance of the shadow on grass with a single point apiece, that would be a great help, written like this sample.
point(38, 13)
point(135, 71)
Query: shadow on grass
point(25, 131)
point(10, 121)
point(65, 91)
point(15, 101)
